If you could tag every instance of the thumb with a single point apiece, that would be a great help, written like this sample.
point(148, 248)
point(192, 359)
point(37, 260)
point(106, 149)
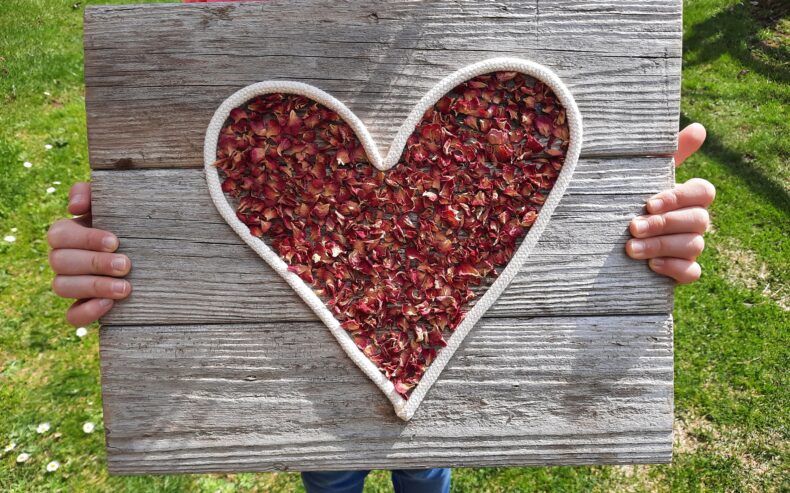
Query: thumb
point(80, 198)
point(690, 140)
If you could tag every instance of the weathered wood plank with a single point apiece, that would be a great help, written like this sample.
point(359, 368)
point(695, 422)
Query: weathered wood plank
point(213, 364)
point(149, 97)
point(189, 266)
point(280, 396)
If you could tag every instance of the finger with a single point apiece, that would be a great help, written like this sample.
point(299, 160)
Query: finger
point(83, 312)
point(67, 233)
point(687, 246)
point(80, 198)
point(682, 270)
point(689, 220)
point(82, 287)
point(690, 139)
point(66, 261)
point(694, 193)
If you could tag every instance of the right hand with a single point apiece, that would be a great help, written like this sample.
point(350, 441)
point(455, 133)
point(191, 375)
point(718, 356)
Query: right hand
point(83, 259)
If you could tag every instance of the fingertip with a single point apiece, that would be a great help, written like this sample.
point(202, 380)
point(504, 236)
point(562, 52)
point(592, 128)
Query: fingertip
point(681, 270)
point(635, 249)
point(706, 190)
point(121, 265)
point(121, 289)
point(75, 315)
point(697, 245)
point(696, 271)
point(84, 312)
point(697, 131)
point(690, 274)
point(79, 198)
point(78, 205)
point(639, 226)
point(690, 139)
point(106, 303)
point(110, 242)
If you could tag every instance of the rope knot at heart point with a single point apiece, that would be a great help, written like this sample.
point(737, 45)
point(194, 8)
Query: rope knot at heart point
point(537, 197)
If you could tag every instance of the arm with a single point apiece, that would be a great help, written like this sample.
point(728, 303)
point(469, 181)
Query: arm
point(83, 259)
point(670, 235)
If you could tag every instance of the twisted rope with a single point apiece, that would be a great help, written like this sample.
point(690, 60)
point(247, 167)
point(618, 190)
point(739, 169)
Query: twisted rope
point(404, 408)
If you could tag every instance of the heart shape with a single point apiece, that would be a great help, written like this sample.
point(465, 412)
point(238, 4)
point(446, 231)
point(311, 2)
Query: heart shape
point(480, 163)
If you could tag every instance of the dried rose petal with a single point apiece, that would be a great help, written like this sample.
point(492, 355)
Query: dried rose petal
point(396, 255)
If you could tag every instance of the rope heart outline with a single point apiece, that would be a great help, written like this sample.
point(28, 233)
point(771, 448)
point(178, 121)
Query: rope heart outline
point(404, 408)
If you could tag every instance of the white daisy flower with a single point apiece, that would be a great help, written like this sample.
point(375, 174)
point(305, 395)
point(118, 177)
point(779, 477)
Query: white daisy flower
point(14, 230)
point(27, 164)
point(10, 238)
point(47, 146)
point(82, 332)
point(47, 93)
point(51, 190)
point(56, 183)
point(42, 428)
point(53, 466)
point(11, 446)
point(88, 427)
point(23, 457)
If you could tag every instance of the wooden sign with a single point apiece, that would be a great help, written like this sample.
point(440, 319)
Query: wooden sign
point(215, 364)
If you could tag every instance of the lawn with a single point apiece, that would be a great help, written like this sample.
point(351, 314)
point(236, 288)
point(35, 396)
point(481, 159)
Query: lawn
point(731, 429)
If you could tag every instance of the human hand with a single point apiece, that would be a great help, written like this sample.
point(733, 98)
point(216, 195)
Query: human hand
point(670, 235)
point(83, 259)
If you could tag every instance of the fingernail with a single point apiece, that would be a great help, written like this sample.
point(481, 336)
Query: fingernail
point(640, 225)
point(119, 264)
point(637, 246)
point(110, 243)
point(104, 302)
point(119, 287)
point(75, 199)
point(655, 204)
point(657, 262)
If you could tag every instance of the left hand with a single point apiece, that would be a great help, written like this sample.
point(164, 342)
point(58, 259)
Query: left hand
point(670, 235)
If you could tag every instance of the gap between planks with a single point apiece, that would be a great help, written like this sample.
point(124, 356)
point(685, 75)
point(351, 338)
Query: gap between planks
point(190, 267)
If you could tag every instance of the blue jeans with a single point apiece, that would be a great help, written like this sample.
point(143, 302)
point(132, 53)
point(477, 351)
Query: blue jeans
point(404, 481)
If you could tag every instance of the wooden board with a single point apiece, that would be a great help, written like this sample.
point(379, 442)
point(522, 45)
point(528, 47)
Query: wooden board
point(213, 364)
point(185, 253)
point(155, 74)
point(283, 395)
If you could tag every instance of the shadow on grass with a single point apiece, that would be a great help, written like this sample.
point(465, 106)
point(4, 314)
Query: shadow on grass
point(758, 182)
point(733, 31)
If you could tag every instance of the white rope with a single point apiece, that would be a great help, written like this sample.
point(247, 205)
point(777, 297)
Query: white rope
point(405, 409)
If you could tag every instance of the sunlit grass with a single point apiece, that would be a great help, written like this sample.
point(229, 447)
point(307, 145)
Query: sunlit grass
point(731, 332)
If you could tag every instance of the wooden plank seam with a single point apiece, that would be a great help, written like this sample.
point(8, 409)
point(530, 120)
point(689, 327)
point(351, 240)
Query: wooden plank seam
point(214, 364)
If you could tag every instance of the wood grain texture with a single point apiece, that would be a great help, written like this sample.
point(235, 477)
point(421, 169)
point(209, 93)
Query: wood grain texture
point(154, 74)
point(190, 267)
point(213, 364)
point(283, 396)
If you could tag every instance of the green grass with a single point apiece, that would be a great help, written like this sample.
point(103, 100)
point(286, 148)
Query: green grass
point(731, 333)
